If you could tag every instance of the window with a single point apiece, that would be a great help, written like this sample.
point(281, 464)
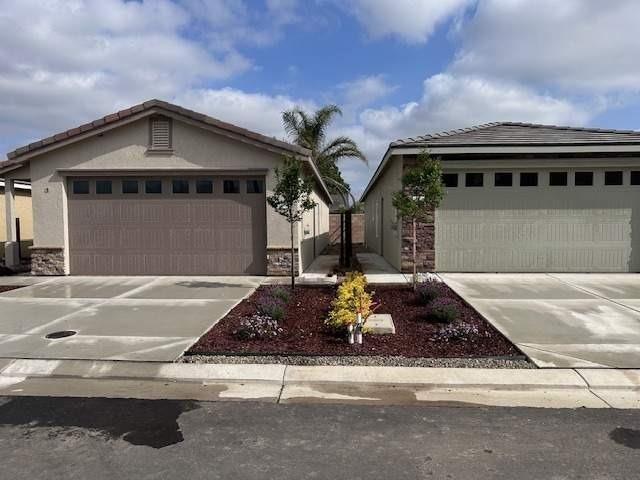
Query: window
point(558, 179)
point(129, 186)
point(255, 186)
point(180, 186)
point(450, 180)
point(231, 186)
point(529, 179)
point(584, 179)
point(613, 178)
point(153, 186)
point(80, 187)
point(503, 179)
point(635, 177)
point(473, 179)
point(204, 186)
point(103, 186)
point(160, 133)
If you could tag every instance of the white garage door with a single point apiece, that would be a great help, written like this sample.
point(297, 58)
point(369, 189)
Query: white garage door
point(541, 228)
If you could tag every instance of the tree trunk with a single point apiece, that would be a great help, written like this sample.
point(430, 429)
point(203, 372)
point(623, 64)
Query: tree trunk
point(414, 252)
point(293, 261)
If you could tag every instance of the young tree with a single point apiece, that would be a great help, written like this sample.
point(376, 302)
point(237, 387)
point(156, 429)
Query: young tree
point(422, 191)
point(291, 198)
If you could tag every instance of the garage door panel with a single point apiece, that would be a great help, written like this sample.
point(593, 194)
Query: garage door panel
point(167, 234)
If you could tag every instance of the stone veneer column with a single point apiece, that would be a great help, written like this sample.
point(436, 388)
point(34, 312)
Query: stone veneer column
point(279, 261)
point(47, 261)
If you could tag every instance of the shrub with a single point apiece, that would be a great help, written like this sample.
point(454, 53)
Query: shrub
point(271, 307)
point(443, 310)
point(257, 327)
point(352, 298)
point(281, 294)
point(428, 291)
point(459, 332)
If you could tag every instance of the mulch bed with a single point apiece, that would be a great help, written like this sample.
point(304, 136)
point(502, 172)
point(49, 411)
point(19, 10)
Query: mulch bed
point(304, 332)
point(6, 288)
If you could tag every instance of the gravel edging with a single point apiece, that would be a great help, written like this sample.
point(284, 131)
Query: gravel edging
point(362, 360)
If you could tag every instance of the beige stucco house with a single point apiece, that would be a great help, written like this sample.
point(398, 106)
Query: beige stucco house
point(519, 198)
point(22, 193)
point(157, 189)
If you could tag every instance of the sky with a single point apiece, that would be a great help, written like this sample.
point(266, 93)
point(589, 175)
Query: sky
point(397, 68)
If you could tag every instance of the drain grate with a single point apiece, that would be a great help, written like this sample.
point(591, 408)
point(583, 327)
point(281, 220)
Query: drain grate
point(61, 334)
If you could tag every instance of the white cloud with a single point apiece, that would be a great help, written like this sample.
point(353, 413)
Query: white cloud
point(366, 90)
point(410, 20)
point(576, 44)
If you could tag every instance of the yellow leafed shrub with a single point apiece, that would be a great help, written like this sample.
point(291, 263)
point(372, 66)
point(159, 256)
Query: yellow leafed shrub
point(351, 299)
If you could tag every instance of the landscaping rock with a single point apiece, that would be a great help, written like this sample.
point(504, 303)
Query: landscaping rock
point(380, 324)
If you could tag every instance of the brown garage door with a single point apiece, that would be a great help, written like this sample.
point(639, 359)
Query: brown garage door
point(167, 226)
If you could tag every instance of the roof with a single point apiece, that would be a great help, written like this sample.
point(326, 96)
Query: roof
point(514, 138)
point(514, 133)
point(18, 185)
point(146, 106)
point(19, 156)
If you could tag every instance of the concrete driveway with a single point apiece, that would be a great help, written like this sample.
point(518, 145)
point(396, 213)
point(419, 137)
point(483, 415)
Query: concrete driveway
point(561, 320)
point(116, 318)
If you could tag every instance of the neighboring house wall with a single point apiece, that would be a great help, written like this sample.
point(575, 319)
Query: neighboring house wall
point(542, 228)
point(357, 228)
point(23, 212)
point(124, 148)
point(383, 233)
point(314, 230)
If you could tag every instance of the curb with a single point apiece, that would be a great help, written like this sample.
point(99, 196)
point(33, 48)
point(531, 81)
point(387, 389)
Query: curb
point(558, 388)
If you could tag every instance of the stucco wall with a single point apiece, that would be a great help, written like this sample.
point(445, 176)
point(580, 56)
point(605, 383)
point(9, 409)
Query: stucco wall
point(382, 228)
point(314, 230)
point(23, 212)
point(125, 148)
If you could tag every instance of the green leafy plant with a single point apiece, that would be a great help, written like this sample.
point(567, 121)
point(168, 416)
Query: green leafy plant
point(281, 294)
point(351, 299)
point(272, 307)
point(443, 310)
point(422, 191)
point(291, 197)
point(257, 327)
point(428, 291)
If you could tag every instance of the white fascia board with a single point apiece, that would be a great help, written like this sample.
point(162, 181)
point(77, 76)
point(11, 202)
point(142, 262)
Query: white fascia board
point(596, 148)
point(18, 185)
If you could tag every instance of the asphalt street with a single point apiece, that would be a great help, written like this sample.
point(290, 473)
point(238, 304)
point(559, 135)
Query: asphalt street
point(75, 438)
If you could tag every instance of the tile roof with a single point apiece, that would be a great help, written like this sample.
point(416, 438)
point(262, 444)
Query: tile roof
point(142, 107)
point(514, 133)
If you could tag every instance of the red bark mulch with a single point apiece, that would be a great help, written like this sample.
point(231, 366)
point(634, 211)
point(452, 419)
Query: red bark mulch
point(6, 288)
point(304, 331)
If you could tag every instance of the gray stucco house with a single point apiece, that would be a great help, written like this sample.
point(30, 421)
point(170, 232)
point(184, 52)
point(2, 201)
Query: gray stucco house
point(156, 189)
point(519, 198)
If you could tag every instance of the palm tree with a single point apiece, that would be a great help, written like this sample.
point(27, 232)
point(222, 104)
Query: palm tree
point(310, 131)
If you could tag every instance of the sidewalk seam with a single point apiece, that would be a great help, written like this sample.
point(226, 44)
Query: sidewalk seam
point(284, 374)
point(590, 390)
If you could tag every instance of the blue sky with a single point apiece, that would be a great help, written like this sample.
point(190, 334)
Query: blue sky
point(397, 67)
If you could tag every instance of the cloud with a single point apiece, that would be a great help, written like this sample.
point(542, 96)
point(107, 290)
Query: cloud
point(410, 20)
point(366, 90)
point(578, 45)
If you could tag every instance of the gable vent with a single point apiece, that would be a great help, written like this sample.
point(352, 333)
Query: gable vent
point(160, 133)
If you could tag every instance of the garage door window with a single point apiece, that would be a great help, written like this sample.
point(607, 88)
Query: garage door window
point(204, 186)
point(153, 186)
point(231, 186)
point(129, 186)
point(613, 178)
point(180, 186)
point(473, 179)
point(584, 179)
point(450, 180)
point(80, 187)
point(103, 187)
point(635, 177)
point(558, 179)
point(503, 179)
point(529, 179)
point(255, 186)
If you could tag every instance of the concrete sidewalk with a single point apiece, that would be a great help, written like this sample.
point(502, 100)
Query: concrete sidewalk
point(560, 388)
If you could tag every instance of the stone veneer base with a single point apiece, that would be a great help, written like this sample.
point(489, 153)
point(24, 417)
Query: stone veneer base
point(279, 261)
point(47, 261)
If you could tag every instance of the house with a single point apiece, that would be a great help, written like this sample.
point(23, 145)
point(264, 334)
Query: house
point(156, 189)
point(519, 198)
point(22, 195)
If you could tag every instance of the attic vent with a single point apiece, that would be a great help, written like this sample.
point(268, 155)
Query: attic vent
point(160, 133)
